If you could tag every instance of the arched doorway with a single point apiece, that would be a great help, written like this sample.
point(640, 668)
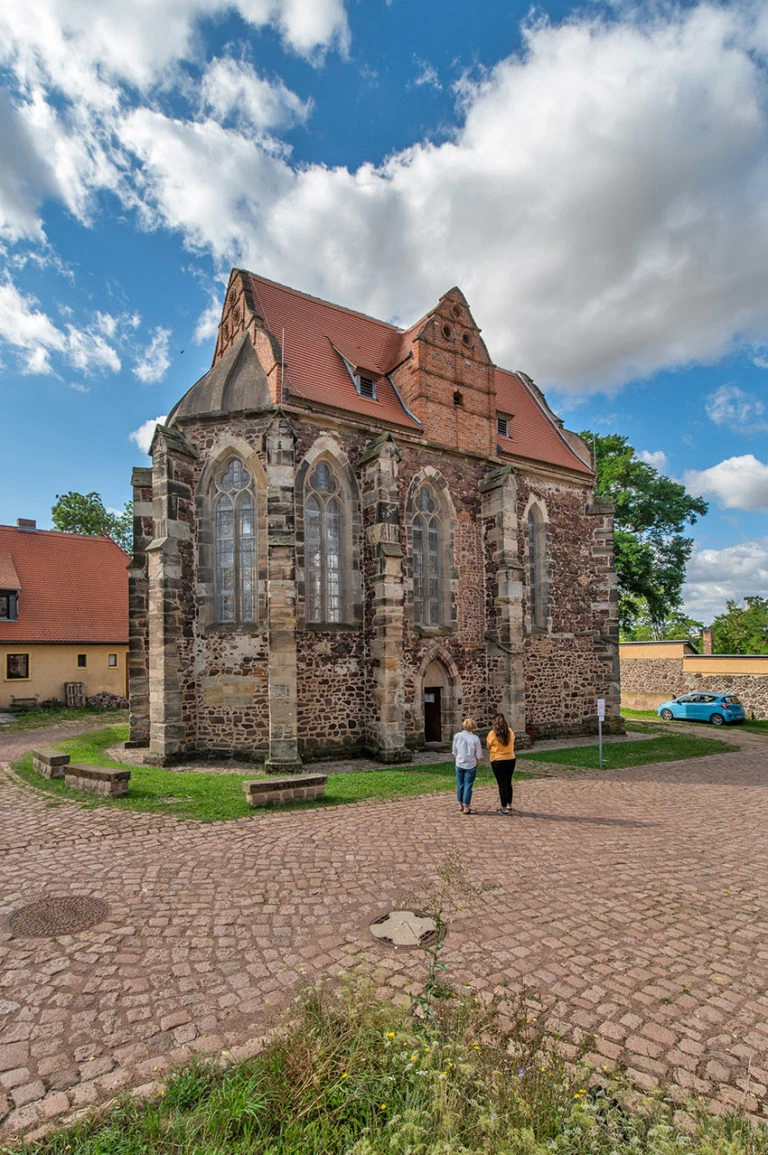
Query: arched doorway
point(439, 702)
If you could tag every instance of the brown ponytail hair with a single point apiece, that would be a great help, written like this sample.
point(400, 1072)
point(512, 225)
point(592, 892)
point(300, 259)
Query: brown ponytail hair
point(501, 729)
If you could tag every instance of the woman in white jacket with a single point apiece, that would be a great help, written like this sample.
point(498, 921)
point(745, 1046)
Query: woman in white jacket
point(467, 751)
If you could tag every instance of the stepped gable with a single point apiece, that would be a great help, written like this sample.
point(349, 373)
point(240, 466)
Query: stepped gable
point(73, 588)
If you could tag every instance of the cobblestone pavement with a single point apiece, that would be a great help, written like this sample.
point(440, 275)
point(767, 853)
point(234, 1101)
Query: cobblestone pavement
point(631, 906)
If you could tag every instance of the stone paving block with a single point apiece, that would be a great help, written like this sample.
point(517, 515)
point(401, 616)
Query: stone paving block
point(27, 1092)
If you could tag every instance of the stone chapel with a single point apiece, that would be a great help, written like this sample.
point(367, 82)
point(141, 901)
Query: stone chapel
point(352, 535)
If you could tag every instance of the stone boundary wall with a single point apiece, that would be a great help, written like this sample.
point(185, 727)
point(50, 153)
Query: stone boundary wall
point(645, 684)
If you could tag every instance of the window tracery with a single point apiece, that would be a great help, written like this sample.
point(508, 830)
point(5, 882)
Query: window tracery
point(235, 534)
point(323, 535)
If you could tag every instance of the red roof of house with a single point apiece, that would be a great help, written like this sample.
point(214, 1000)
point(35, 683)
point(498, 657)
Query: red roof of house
point(72, 588)
point(319, 336)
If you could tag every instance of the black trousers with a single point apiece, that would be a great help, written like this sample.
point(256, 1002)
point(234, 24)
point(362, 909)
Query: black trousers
point(503, 769)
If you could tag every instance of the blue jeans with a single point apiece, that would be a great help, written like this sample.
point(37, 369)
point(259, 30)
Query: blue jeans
point(465, 780)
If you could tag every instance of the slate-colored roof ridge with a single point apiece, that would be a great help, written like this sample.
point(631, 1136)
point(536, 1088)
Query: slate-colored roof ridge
point(256, 277)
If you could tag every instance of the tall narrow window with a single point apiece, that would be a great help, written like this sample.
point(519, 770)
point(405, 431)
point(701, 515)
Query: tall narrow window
point(235, 524)
point(323, 546)
point(427, 533)
point(537, 569)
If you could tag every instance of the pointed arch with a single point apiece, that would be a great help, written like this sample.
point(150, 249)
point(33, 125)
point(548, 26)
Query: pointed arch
point(328, 534)
point(430, 532)
point(537, 568)
point(231, 510)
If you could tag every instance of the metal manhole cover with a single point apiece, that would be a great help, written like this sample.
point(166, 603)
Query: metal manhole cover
point(405, 928)
point(54, 916)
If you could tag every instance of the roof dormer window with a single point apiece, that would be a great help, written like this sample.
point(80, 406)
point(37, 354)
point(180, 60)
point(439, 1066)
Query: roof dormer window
point(366, 386)
point(8, 605)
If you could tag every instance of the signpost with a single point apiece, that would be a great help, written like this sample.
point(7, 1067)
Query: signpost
point(600, 720)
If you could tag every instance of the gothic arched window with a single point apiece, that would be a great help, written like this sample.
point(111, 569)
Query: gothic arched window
point(235, 531)
point(323, 537)
point(427, 549)
point(537, 568)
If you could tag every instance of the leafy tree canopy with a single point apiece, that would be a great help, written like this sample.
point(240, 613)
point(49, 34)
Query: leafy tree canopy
point(743, 628)
point(85, 513)
point(652, 550)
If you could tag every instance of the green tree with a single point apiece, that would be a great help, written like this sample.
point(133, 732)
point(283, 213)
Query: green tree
point(651, 549)
point(743, 628)
point(85, 513)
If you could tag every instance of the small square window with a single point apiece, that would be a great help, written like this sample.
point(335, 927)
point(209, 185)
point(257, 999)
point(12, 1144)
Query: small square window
point(112, 659)
point(82, 660)
point(7, 606)
point(17, 666)
point(366, 387)
point(502, 426)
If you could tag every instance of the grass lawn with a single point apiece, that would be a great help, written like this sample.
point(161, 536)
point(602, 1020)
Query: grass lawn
point(217, 797)
point(49, 716)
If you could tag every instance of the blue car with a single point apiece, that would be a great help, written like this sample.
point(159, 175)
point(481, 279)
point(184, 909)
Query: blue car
point(715, 708)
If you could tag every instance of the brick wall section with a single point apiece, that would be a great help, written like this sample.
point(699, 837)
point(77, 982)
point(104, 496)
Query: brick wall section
point(645, 684)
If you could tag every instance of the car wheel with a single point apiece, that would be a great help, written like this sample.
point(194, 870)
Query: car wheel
point(717, 719)
point(667, 715)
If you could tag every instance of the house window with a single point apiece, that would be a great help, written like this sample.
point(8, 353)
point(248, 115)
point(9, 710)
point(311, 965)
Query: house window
point(235, 530)
point(82, 660)
point(502, 426)
point(7, 605)
point(111, 659)
point(366, 386)
point(537, 568)
point(427, 548)
point(17, 666)
point(323, 535)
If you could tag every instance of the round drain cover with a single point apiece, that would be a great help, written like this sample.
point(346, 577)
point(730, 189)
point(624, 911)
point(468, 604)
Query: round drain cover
point(54, 916)
point(405, 928)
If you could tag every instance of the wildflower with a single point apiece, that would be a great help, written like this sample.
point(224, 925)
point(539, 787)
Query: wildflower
point(390, 1035)
point(382, 1106)
point(422, 1072)
point(345, 1074)
point(161, 1090)
point(521, 1070)
point(443, 1075)
point(476, 1046)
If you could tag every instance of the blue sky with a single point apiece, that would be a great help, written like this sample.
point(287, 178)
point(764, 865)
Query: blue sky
point(594, 177)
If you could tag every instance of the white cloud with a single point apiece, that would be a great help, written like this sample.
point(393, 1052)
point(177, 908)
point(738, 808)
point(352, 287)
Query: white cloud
point(153, 363)
point(24, 326)
point(737, 483)
point(602, 205)
point(742, 412)
point(716, 575)
point(233, 89)
point(208, 321)
point(427, 75)
point(658, 459)
point(144, 434)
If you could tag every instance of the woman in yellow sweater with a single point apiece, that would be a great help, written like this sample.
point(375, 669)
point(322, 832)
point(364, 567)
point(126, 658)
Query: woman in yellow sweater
point(501, 744)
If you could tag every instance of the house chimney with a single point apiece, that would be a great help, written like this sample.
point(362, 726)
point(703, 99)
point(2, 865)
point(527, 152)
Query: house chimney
point(25, 523)
point(706, 641)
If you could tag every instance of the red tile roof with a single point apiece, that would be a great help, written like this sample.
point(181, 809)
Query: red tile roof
point(320, 335)
point(73, 588)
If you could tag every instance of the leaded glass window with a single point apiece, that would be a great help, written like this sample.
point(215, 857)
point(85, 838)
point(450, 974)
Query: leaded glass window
point(235, 528)
point(323, 530)
point(427, 548)
point(537, 580)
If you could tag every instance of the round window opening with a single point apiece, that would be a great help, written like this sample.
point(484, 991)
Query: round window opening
point(466, 338)
point(456, 311)
point(447, 332)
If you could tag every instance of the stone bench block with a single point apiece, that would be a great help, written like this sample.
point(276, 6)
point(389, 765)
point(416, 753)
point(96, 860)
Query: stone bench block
point(275, 791)
point(104, 780)
point(49, 762)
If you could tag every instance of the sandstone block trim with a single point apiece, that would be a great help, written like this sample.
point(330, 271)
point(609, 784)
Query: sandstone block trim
point(275, 791)
point(106, 781)
point(48, 762)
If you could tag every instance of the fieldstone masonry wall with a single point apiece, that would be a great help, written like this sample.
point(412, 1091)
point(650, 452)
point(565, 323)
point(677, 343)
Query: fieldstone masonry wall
point(647, 683)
